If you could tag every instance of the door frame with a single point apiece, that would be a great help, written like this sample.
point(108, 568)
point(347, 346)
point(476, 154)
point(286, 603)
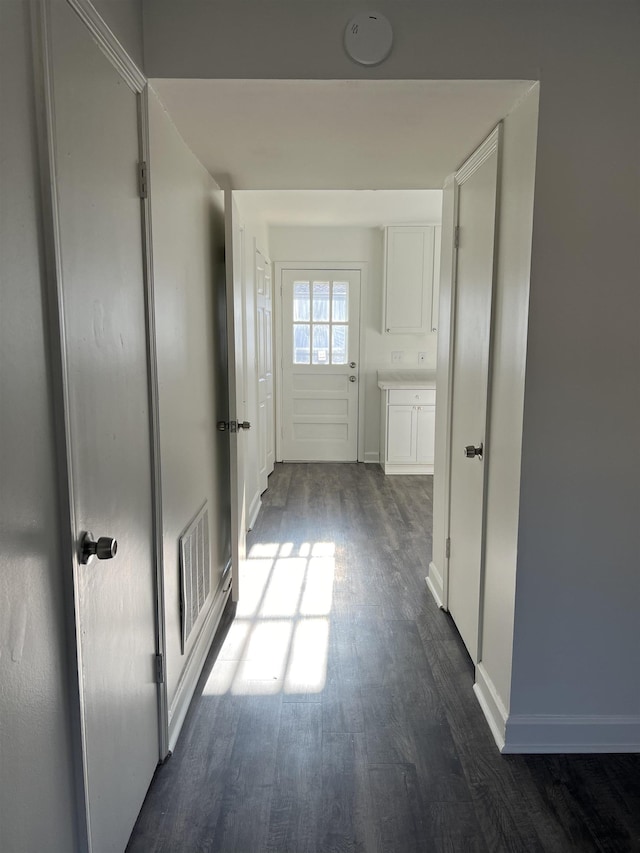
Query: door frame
point(45, 119)
point(279, 268)
point(438, 581)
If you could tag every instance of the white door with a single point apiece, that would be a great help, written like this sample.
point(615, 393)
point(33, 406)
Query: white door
point(477, 182)
point(268, 334)
point(264, 346)
point(320, 350)
point(105, 351)
point(236, 424)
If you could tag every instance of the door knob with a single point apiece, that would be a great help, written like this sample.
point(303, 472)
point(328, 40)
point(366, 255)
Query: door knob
point(352, 364)
point(470, 451)
point(244, 425)
point(352, 379)
point(105, 548)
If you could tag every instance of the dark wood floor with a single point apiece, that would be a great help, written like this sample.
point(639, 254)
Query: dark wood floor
point(336, 713)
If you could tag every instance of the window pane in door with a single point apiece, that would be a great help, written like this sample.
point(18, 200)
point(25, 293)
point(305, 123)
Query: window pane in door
point(301, 343)
point(301, 301)
point(340, 311)
point(320, 301)
point(339, 337)
point(321, 344)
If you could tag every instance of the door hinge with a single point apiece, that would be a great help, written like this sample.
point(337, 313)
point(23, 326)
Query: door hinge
point(160, 669)
point(456, 237)
point(142, 179)
point(447, 548)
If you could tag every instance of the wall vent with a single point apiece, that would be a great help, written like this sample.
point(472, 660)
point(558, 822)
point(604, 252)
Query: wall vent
point(195, 572)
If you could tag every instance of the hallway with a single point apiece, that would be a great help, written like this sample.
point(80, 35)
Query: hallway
point(336, 713)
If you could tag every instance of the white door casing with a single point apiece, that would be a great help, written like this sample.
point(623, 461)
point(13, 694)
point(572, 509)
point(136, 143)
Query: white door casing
point(237, 386)
point(477, 211)
point(250, 321)
point(104, 345)
point(320, 345)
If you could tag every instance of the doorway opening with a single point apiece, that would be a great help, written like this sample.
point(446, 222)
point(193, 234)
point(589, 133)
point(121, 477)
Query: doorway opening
point(342, 137)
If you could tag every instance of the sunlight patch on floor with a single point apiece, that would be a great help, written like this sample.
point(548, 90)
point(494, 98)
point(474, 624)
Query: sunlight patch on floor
point(279, 640)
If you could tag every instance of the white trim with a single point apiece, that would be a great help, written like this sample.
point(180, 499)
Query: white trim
point(491, 145)
point(423, 224)
point(193, 668)
point(435, 586)
point(372, 456)
point(491, 704)
point(447, 392)
point(109, 44)
point(362, 358)
point(154, 419)
point(548, 733)
point(252, 512)
point(279, 267)
point(479, 156)
point(406, 469)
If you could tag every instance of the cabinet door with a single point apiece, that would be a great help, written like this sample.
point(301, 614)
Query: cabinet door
point(425, 434)
point(409, 255)
point(401, 434)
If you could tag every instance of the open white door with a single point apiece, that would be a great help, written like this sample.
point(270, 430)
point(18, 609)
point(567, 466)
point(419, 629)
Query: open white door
point(477, 194)
point(236, 423)
point(264, 360)
point(101, 303)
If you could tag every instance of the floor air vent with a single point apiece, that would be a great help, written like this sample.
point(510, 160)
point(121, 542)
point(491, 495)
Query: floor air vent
point(195, 571)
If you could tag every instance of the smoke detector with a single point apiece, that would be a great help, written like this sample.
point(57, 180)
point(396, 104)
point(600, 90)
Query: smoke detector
point(368, 38)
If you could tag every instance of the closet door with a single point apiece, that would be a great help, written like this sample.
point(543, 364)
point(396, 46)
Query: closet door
point(102, 301)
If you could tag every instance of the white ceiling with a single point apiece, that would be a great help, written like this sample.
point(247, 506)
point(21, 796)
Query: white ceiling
point(368, 208)
point(335, 134)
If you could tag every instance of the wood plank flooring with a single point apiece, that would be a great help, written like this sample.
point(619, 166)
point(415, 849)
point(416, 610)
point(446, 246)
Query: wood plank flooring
point(335, 713)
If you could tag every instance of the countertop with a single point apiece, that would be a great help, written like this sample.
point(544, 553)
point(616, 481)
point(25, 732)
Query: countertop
point(420, 379)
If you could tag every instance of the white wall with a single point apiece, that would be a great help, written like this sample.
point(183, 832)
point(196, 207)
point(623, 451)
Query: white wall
point(578, 589)
point(356, 245)
point(188, 239)
point(511, 307)
point(36, 778)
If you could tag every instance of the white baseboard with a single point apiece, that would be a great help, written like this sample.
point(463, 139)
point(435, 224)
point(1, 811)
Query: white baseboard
point(436, 585)
point(491, 704)
point(193, 667)
point(547, 733)
point(252, 514)
point(395, 468)
point(372, 456)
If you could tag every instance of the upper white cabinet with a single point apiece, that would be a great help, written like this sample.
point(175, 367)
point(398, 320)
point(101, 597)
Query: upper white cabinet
point(409, 279)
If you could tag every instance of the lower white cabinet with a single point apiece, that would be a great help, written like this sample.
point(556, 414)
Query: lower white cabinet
point(408, 420)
